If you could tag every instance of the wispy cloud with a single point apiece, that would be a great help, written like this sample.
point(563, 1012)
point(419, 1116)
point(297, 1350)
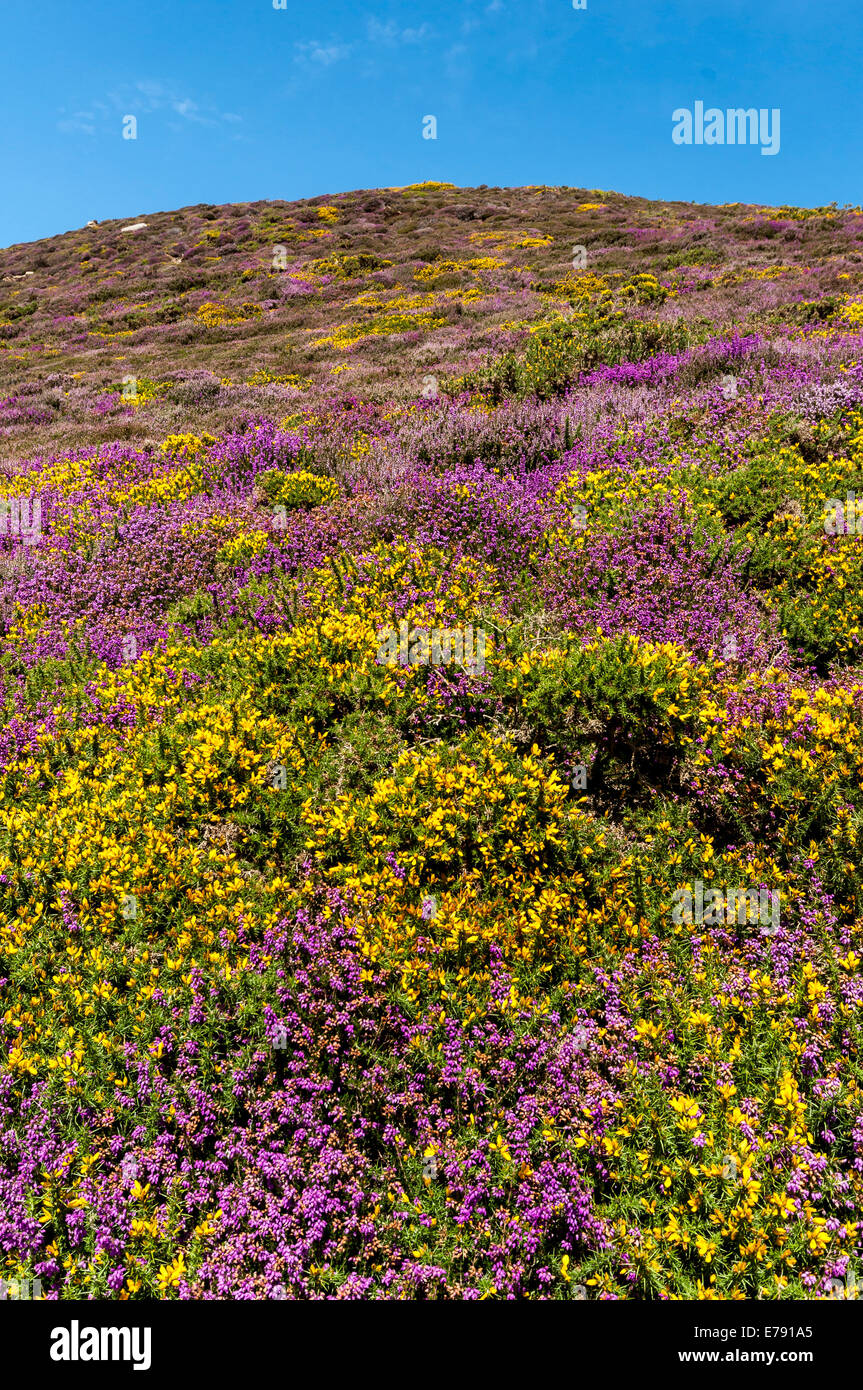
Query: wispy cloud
point(391, 36)
point(142, 99)
point(457, 62)
point(316, 55)
point(319, 54)
point(157, 96)
point(80, 122)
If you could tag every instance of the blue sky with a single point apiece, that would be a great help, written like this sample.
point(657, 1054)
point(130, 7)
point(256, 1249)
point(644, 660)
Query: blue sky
point(236, 100)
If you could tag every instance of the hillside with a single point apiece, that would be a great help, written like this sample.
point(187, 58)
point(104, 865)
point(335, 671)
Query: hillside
point(430, 848)
point(222, 312)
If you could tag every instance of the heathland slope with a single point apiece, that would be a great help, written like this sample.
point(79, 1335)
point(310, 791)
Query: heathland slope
point(431, 746)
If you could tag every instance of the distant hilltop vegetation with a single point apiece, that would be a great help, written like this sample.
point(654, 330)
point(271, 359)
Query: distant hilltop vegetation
point(139, 328)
